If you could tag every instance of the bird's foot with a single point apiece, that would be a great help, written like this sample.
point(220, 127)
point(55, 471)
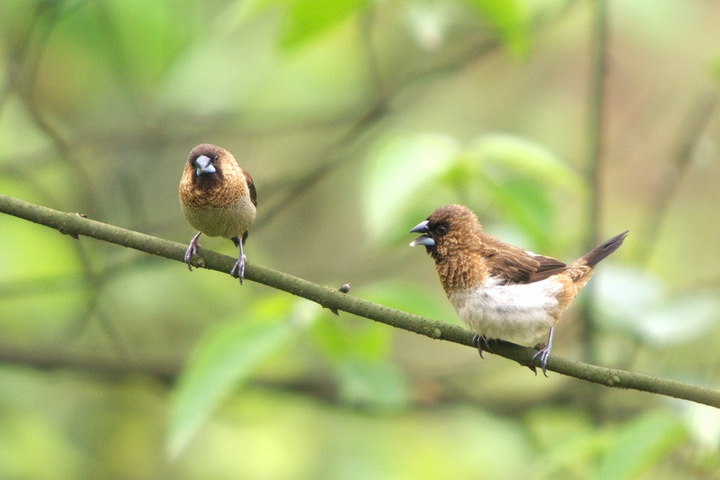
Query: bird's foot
point(543, 354)
point(238, 269)
point(544, 351)
point(192, 250)
point(478, 341)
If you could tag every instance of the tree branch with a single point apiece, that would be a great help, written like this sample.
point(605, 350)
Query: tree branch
point(75, 224)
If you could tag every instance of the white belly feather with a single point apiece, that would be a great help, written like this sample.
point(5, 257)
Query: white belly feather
point(520, 313)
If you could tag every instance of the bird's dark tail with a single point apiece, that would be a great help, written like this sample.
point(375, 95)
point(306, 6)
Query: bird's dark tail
point(598, 253)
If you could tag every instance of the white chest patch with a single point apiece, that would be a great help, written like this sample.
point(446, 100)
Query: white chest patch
point(520, 313)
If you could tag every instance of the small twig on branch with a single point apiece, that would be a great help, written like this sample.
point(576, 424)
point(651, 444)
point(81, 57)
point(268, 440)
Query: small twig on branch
point(75, 224)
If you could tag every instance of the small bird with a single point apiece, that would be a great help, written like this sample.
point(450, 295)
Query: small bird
point(218, 198)
point(499, 290)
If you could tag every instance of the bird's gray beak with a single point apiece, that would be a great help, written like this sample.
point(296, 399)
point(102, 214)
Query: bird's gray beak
point(203, 165)
point(425, 240)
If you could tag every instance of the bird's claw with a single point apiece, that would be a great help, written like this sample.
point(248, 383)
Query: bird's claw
point(238, 269)
point(478, 340)
point(192, 250)
point(543, 353)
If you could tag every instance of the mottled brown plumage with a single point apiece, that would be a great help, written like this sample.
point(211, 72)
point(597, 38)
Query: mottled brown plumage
point(218, 198)
point(500, 290)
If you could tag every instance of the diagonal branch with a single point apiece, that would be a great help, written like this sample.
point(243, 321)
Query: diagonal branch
point(75, 225)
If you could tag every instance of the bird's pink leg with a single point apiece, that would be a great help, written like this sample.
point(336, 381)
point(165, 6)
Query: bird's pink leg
point(544, 352)
point(192, 250)
point(239, 266)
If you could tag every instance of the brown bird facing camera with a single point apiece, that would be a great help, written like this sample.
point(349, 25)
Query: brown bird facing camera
point(501, 291)
point(218, 198)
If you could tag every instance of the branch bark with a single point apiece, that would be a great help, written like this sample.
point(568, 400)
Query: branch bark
point(75, 224)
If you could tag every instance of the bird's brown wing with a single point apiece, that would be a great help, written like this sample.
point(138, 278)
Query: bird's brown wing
point(515, 265)
point(251, 188)
point(548, 266)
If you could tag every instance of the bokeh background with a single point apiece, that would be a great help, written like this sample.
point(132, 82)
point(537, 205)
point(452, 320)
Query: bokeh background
point(356, 119)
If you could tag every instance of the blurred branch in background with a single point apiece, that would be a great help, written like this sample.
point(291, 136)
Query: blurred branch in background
point(594, 156)
point(74, 224)
point(690, 132)
point(379, 107)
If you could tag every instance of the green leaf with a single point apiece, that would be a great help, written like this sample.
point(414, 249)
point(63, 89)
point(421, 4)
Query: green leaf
point(625, 294)
point(642, 444)
point(524, 181)
point(306, 19)
point(699, 313)
point(358, 355)
point(527, 204)
point(225, 357)
point(511, 21)
point(634, 301)
point(502, 155)
point(398, 168)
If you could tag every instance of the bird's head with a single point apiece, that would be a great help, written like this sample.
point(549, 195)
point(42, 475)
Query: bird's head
point(448, 230)
point(208, 164)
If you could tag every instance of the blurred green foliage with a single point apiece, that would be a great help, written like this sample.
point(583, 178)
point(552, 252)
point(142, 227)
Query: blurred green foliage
point(356, 119)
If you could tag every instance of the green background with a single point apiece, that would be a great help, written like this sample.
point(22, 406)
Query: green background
point(356, 119)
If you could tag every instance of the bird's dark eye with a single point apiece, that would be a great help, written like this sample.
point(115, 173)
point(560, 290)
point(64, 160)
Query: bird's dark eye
point(441, 230)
